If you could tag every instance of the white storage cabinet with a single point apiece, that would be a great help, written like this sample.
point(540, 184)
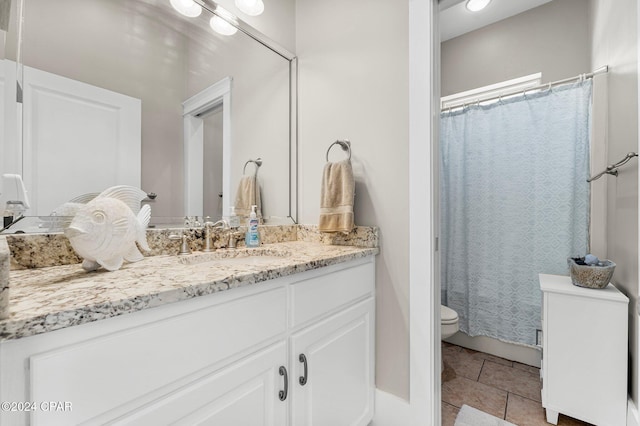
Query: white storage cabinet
point(584, 360)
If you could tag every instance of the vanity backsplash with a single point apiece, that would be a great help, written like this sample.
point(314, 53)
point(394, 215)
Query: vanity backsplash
point(43, 250)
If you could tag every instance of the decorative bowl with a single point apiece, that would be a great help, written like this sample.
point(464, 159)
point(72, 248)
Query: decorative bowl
point(590, 276)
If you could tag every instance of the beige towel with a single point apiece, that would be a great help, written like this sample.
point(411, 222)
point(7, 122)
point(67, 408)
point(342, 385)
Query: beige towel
point(248, 194)
point(336, 198)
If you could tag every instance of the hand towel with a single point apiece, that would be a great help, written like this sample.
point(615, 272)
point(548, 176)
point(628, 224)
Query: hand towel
point(247, 195)
point(336, 198)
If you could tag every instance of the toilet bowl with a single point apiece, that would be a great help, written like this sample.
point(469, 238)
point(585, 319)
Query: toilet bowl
point(448, 321)
point(448, 325)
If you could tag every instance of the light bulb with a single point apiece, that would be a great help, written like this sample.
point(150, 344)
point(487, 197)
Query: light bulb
point(221, 26)
point(477, 5)
point(250, 7)
point(187, 8)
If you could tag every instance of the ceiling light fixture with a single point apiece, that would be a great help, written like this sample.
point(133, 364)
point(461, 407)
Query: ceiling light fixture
point(250, 7)
point(187, 8)
point(477, 5)
point(222, 27)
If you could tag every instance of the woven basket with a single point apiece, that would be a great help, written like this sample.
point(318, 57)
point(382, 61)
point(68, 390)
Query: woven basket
point(591, 276)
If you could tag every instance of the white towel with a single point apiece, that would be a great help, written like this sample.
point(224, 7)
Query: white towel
point(247, 195)
point(336, 198)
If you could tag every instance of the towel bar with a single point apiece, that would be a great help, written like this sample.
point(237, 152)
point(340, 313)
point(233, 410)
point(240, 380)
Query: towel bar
point(257, 162)
point(613, 168)
point(345, 144)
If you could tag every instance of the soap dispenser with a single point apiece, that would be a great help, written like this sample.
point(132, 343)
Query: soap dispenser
point(234, 219)
point(252, 238)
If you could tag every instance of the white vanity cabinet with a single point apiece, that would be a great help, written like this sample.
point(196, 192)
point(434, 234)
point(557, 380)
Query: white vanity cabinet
point(229, 359)
point(333, 383)
point(584, 361)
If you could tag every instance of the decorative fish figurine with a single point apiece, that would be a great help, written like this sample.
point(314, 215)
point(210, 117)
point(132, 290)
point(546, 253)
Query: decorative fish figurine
point(104, 231)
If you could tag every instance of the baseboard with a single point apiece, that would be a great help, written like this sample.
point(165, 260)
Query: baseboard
point(511, 351)
point(390, 410)
point(633, 418)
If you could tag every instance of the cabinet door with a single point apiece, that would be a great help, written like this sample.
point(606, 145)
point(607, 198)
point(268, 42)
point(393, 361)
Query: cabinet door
point(339, 360)
point(246, 393)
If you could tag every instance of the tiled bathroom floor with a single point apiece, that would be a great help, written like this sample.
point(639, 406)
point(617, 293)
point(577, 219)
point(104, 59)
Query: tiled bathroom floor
point(506, 389)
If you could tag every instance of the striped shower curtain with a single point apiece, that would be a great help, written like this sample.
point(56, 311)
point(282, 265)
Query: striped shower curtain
point(514, 203)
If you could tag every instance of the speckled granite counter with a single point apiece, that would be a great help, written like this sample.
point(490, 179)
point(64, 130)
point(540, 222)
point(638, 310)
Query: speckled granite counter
point(4, 278)
point(52, 298)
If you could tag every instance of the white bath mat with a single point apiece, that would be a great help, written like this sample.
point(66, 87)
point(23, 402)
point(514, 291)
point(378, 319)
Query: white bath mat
point(469, 416)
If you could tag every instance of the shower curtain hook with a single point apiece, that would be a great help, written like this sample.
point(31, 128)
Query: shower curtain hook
point(549, 89)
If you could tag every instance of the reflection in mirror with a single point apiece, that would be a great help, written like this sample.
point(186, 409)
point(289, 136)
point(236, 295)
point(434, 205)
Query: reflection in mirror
point(103, 105)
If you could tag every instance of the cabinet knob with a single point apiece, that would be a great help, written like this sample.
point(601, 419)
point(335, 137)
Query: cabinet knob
point(283, 393)
point(303, 379)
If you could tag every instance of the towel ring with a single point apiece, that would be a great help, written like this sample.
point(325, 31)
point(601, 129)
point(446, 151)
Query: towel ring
point(257, 162)
point(345, 144)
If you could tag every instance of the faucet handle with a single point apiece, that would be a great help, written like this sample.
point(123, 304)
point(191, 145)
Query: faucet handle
point(234, 236)
point(184, 247)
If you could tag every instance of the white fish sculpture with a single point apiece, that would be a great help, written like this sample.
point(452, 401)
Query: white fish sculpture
point(104, 231)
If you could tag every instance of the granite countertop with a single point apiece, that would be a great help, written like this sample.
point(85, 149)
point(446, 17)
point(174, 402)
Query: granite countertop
point(56, 297)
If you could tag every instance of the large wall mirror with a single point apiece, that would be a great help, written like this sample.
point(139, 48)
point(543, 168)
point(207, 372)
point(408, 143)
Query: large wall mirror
point(134, 92)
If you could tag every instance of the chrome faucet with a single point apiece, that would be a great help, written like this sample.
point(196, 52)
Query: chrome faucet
point(208, 226)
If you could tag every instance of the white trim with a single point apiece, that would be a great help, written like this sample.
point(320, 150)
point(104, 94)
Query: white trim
point(211, 97)
point(390, 410)
point(503, 88)
point(424, 319)
point(637, 360)
point(208, 98)
point(633, 418)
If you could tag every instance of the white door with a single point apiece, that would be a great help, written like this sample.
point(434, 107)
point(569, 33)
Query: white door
point(78, 139)
point(246, 393)
point(339, 357)
point(10, 150)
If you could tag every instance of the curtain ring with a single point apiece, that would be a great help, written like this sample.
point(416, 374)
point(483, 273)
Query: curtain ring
point(549, 89)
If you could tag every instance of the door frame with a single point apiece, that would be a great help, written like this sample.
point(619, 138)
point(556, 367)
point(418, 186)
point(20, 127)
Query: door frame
point(424, 276)
point(218, 94)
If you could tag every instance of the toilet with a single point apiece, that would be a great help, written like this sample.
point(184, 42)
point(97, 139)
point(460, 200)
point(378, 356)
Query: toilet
point(448, 325)
point(448, 321)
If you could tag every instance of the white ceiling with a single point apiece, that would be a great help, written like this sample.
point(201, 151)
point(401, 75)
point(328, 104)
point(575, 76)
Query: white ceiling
point(456, 20)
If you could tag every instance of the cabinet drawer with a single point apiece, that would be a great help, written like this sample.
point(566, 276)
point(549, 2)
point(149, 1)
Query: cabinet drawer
point(317, 296)
point(104, 373)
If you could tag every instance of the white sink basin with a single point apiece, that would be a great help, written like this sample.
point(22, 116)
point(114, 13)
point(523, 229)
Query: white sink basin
point(242, 256)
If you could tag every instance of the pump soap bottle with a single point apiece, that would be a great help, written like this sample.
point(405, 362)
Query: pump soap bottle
point(252, 238)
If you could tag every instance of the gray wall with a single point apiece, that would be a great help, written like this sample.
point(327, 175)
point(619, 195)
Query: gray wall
point(614, 40)
point(354, 72)
point(552, 39)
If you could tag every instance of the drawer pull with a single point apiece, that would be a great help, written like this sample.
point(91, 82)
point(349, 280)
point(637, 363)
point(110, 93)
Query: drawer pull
point(283, 393)
point(303, 379)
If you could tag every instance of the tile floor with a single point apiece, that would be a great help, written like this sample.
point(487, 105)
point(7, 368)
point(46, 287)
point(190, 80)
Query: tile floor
point(506, 389)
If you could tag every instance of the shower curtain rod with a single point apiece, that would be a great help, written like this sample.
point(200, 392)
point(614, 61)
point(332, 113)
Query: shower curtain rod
point(603, 69)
